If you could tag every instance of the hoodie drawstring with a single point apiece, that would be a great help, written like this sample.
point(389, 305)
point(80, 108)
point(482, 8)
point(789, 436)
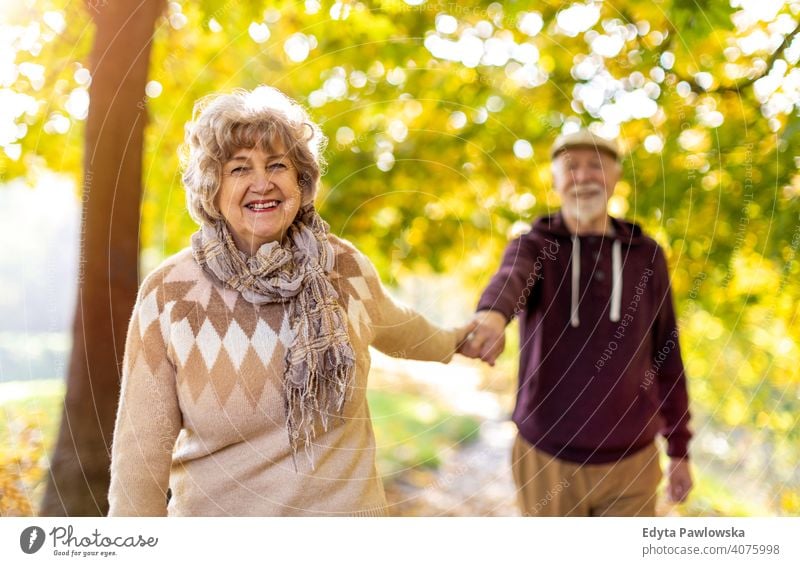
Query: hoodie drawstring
point(616, 282)
point(576, 280)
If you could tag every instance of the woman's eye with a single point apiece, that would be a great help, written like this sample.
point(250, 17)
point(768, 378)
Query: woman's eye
point(278, 166)
point(239, 170)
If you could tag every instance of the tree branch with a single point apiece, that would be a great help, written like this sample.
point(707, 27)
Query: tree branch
point(741, 84)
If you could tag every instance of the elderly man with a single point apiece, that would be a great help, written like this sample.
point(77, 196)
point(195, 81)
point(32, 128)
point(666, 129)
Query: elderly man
point(600, 372)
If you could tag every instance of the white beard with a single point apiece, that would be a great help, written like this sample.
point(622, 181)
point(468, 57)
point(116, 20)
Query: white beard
point(586, 209)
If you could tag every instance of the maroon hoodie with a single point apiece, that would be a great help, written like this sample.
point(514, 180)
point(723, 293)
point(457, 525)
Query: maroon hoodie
point(600, 371)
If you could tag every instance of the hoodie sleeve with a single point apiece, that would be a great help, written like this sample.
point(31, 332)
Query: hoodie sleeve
point(672, 392)
point(514, 283)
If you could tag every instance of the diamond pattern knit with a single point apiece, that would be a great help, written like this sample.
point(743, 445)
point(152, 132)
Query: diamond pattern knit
point(202, 410)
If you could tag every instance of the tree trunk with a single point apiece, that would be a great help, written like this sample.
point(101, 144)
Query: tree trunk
point(108, 274)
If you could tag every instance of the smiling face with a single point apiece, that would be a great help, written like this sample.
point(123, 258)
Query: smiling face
point(585, 178)
point(259, 196)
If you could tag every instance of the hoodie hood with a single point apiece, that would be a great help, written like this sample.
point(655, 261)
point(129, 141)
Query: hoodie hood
point(627, 233)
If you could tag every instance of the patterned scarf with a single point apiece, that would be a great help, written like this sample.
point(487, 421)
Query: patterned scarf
point(320, 363)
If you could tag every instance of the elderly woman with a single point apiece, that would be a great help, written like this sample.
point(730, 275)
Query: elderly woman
point(245, 372)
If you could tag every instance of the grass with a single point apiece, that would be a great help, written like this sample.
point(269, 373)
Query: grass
point(712, 497)
point(412, 432)
point(29, 418)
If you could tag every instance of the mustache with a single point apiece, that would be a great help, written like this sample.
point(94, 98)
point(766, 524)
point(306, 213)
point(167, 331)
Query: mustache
point(589, 187)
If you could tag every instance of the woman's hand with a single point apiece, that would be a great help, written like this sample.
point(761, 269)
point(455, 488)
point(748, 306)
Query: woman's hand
point(487, 340)
point(463, 334)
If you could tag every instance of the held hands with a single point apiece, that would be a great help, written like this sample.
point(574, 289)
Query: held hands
point(486, 338)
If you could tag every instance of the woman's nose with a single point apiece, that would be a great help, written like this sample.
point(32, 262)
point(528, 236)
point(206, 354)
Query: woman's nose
point(260, 181)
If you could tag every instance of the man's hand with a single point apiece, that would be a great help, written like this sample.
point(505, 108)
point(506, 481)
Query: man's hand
point(679, 480)
point(488, 340)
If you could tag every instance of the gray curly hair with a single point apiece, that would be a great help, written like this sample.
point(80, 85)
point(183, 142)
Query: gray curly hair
point(224, 123)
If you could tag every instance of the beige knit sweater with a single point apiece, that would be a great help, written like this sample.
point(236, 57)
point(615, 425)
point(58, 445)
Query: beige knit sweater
point(201, 408)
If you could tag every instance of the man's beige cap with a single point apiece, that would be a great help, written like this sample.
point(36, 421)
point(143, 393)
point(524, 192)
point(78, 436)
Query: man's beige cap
point(584, 138)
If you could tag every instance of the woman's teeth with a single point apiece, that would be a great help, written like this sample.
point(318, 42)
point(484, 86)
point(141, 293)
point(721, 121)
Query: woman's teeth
point(263, 205)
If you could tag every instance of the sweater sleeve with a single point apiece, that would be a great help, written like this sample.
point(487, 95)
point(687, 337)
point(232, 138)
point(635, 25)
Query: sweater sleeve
point(672, 391)
point(400, 331)
point(148, 415)
point(514, 283)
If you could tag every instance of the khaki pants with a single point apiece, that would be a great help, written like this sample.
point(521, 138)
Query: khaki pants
point(549, 487)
